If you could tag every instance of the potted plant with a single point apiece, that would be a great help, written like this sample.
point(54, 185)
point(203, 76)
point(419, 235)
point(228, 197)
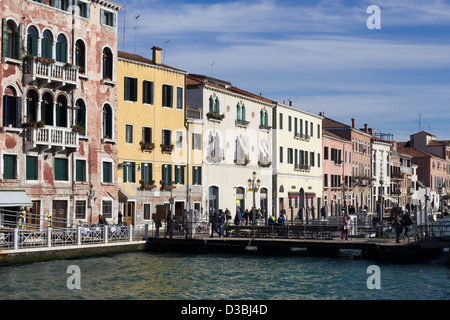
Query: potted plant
point(40, 124)
point(78, 128)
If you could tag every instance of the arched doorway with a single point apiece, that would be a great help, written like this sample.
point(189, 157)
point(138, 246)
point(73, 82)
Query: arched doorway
point(240, 198)
point(213, 201)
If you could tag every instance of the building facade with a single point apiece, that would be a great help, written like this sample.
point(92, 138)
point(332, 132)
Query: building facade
point(157, 167)
point(297, 163)
point(236, 146)
point(58, 84)
point(337, 173)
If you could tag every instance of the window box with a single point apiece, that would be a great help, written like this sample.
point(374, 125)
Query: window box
point(147, 186)
point(264, 164)
point(215, 116)
point(78, 128)
point(147, 146)
point(166, 187)
point(167, 148)
point(242, 123)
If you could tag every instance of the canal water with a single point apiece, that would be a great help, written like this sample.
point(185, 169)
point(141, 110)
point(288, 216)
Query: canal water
point(171, 276)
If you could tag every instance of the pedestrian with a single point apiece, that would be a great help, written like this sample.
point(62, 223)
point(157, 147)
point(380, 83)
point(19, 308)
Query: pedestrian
point(398, 227)
point(271, 221)
point(346, 227)
point(214, 224)
point(169, 227)
point(281, 220)
point(238, 218)
point(221, 221)
point(406, 221)
point(119, 221)
point(246, 216)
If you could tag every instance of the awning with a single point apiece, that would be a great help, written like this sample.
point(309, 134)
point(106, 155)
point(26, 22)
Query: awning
point(390, 198)
point(14, 199)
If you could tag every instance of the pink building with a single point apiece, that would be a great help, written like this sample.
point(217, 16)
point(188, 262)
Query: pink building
point(57, 130)
point(337, 172)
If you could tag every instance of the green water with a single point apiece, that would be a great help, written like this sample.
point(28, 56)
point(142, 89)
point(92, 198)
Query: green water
point(152, 276)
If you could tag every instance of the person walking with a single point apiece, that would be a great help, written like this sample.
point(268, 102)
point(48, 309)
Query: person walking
point(221, 221)
point(214, 224)
point(346, 227)
point(398, 226)
point(246, 216)
point(406, 221)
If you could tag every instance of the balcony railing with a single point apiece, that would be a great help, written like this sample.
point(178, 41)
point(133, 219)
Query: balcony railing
point(406, 170)
point(56, 73)
point(216, 155)
point(265, 161)
point(51, 137)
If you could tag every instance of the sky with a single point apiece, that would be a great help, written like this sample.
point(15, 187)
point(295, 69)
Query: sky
point(389, 68)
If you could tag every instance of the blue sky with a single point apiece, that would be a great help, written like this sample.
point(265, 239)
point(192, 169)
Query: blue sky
point(319, 54)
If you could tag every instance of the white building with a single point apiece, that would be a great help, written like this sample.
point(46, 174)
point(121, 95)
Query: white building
point(297, 168)
point(236, 143)
point(381, 180)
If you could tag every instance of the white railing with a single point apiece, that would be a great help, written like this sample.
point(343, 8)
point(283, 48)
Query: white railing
point(53, 71)
point(52, 136)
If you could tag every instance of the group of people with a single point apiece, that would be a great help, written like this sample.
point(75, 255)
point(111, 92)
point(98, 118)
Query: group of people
point(272, 221)
point(246, 216)
point(218, 220)
point(402, 221)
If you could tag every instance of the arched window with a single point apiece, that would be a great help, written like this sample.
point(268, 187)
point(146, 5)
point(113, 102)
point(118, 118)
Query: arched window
point(61, 48)
point(80, 56)
point(243, 112)
point(240, 198)
point(266, 119)
point(217, 105)
point(12, 46)
point(32, 41)
point(107, 122)
point(47, 108)
point(32, 106)
point(107, 64)
point(211, 104)
point(12, 108)
point(61, 111)
point(238, 112)
point(47, 45)
point(261, 117)
point(80, 115)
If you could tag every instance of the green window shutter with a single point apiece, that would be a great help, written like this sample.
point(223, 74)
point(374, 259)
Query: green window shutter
point(18, 112)
point(4, 37)
point(133, 172)
point(152, 88)
point(134, 89)
point(125, 171)
point(182, 174)
point(177, 175)
point(194, 175)
point(61, 170)
point(107, 172)
point(19, 42)
point(126, 88)
point(102, 16)
point(211, 104)
point(9, 167)
point(164, 174)
point(80, 170)
point(171, 96)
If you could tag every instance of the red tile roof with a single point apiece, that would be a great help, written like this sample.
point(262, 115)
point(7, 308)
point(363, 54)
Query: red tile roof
point(138, 58)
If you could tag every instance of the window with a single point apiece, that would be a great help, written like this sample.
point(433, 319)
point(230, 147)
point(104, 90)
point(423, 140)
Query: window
point(80, 209)
point(31, 106)
point(325, 180)
point(31, 168)
point(167, 174)
point(80, 170)
point(238, 112)
point(107, 172)
point(83, 9)
point(128, 133)
point(147, 173)
point(318, 160)
point(61, 169)
point(11, 36)
point(129, 172)
point(80, 115)
point(47, 108)
point(196, 175)
point(12, 108)
point(147, 91)
point(47, 45)
point(61, 111)
point(61, 4)
point(32, 41)
point(107, 122)
point(295, 126)
point(281, 154)
point(107, 18)
point(80, 56)
point(167, 96)
point(196, 141)
point(290, 156)
point(179, 98)
point(9, 166)
point(312, 129)
point(281, 121)
point(130, 85)
point(179, 174)
point(166, 137)
point(107, 208)
point(318, 131)
point(107, 64)
point(61, 48)
point(289, 123)
point(146, 211)
point(306, 128)
point(312, 158)
point(146, 135)
point(325, 153)
point(179, 139)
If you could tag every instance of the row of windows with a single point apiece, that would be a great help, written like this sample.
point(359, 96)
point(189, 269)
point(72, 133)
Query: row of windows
point(300, 157)
point(147, 137)
point(336, 180)
point(170, 173)
point(46, 46)
point(131, 93)
point(298, 126)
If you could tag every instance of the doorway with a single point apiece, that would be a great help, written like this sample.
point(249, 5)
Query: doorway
point(129, 214)
point(59, 214)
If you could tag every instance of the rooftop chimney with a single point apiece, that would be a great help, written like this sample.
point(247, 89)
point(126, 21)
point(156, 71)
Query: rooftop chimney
point(366, 128)
point(156, 55)
point(353, 123)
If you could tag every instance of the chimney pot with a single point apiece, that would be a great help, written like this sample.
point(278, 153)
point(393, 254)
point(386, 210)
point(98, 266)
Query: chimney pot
point(156, 55)
point(366, 128)
point(353, 123)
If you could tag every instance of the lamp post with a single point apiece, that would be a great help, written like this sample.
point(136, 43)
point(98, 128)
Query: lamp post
point(254, 186)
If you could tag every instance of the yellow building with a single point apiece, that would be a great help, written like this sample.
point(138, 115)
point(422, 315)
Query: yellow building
point(154, 173)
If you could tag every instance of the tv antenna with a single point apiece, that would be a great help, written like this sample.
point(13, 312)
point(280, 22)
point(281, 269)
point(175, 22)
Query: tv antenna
point(135, 32)
point(165, 46)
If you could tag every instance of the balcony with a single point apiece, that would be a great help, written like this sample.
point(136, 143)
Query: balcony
point(50, 73)
point(216, 156)
point(406, 170)
point(302, 167)
point(242, 161)
point(51, 137)
point(241, 123)
point(265, 161)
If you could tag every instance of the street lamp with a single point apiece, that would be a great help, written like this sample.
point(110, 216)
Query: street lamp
point(254, 187)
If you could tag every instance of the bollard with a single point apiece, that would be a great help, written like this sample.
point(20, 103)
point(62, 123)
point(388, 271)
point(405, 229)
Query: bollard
point(16, 239)
point(49, 237)
point(105, 233)
point(79, 236)
point(130, 235)
point(146, 232)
